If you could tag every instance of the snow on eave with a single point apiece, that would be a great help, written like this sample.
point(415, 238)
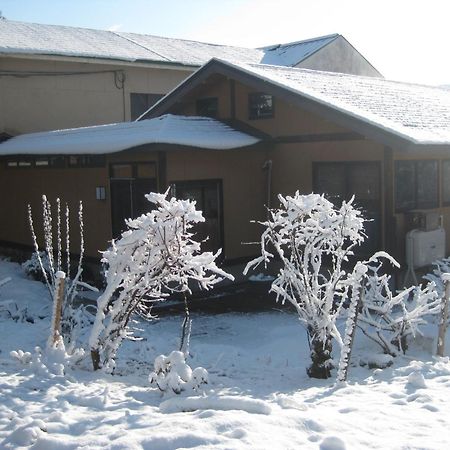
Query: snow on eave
point(192, 131)
point(338, 106)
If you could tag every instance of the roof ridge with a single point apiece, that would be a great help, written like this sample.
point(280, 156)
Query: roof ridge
point(139, 45)
point(303, 41)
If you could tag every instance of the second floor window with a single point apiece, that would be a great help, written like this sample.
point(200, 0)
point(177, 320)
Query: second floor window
point(207, 107)
point(260, 106)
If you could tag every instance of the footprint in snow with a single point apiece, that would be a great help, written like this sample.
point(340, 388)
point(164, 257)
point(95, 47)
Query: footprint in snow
point(347, 410)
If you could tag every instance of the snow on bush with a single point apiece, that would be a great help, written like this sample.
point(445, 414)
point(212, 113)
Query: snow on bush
point(171, 373)
point(388, 318)
point(313, 239)
point(56, 259)
point(32, 267)
point(440, 267)
point(156, 255)
point(51, 361)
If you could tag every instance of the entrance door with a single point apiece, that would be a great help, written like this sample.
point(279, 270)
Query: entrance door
point(129, 184)
point(208, 195)
point(340, 181)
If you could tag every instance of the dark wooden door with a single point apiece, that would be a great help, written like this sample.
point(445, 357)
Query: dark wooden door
point(129, 183)
point(208, 197)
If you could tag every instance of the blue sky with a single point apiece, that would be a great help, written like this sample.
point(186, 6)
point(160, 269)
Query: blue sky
point(404, 39)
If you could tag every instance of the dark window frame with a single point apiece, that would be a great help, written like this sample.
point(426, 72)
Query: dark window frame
point(32, 162)
point(252, 115)
point(444, 162)
point(86, 161)
point(207, 102)
point(150, 99)
point(416, 202)
point(201, 182)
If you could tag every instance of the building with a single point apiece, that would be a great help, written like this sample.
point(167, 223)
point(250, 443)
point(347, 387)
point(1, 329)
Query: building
point(282, 129)
point(56, 77)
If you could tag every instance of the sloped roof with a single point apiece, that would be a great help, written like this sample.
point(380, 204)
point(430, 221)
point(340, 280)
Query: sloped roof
point(293, 53)
point(39, 39)
point(417, 114)
point(200, 132)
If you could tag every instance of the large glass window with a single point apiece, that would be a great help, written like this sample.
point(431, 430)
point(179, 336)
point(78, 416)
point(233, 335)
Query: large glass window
point(416, 185)
point(140, 103)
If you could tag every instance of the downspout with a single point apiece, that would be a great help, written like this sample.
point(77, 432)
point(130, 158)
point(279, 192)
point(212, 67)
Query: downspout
point(268, 167)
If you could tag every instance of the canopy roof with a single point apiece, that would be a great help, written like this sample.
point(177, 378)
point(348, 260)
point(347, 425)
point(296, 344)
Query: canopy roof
point(200, 132)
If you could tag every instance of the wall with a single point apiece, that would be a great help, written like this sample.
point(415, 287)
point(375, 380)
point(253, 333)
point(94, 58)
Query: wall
point(41, 103)
point(244, 189)
point(339, 56)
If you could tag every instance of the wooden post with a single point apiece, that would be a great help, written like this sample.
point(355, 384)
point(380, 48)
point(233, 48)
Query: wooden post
point(57, 307)
point(444, 315)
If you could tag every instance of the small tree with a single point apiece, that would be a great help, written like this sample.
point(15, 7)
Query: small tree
point(313, 240)
point(57, 258)
point(156, 255)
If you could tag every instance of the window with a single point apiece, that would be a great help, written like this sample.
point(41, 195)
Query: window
point(37, 161)
point(207, 107)
point(342, 180)
point(87, 161)
point(140, 103)
point(446, 182)
point(416, 185)
point(260, 106)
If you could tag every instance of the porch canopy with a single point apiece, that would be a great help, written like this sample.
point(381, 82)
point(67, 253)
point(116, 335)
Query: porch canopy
point(199, 132)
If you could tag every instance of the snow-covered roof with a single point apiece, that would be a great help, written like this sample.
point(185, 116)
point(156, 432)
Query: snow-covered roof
point(39, 39)
point(417, 113)
point(200, 132)
point(293, 53)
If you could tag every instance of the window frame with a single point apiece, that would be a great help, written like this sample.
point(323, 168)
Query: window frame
point(416, 202)
point(205, 100)
point(255, 116)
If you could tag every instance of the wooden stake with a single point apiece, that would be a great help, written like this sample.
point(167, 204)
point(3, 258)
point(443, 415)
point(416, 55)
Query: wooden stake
point(57, 306)
point(444, 315)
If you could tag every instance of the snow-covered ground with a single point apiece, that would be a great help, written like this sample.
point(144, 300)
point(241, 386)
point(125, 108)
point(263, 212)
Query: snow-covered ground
point(259, 396)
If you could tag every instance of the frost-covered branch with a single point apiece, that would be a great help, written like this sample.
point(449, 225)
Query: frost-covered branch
point(156, 255)
point(313, 239)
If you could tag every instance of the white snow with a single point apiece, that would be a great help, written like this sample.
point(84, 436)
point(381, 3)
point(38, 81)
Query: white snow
point(258, 395)
point(40, 39)
point(418, 113)
point(200, 132)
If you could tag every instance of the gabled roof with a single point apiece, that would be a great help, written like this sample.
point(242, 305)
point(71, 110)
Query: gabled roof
point(293, 53)
point(199, 132)
point(57, 40)
point(390, 111)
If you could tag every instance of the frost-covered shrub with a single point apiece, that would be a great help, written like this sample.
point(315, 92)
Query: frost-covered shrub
point(388, 318)
point(440, 267)
point(57, 259)
point(51, 361)
point(156, 256)
point(171, 373)
point(33, 268)
point(313, 239)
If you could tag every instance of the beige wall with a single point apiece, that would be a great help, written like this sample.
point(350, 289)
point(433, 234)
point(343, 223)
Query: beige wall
point(40, 103)
point(339, 56)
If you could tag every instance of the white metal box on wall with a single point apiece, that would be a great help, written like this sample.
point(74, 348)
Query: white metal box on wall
point(424, 247)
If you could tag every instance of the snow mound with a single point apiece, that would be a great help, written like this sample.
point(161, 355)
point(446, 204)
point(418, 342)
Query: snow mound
point(222, 403)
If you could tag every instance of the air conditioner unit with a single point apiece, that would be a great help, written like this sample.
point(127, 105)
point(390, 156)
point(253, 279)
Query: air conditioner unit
point(423, 220)
point(423, 248)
